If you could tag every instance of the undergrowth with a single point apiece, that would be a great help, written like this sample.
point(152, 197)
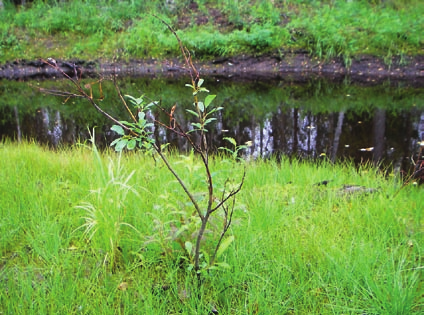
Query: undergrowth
point(299, 248)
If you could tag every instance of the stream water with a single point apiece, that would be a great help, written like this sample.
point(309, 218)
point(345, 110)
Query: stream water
point(312, 120)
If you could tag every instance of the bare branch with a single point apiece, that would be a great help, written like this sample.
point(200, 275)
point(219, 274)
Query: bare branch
point(232, 193)
point(180, 181)
point(184, 52)
point(227, 224)
point(82, 94)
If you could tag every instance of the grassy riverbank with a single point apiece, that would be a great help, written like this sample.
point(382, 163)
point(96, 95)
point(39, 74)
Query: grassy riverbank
point(126, 29)
point(299, 248)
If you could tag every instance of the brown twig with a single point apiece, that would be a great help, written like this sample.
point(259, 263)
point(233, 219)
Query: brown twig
point(118, 90)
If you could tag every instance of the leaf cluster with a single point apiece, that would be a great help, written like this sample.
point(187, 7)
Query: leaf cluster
point(202, 112)
point(140, 131)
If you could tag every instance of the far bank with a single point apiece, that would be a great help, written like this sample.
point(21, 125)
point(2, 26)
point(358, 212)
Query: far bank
point(296, 67)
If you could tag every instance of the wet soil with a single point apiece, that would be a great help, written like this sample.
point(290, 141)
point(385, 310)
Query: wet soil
point(290, 66)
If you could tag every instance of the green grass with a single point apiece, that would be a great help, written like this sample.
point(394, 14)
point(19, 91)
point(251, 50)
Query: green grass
point(126, 29)
point(298, 249)
point(348, 29)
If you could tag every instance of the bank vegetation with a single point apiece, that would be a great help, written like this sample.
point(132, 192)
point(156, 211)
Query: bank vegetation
point(92, 30)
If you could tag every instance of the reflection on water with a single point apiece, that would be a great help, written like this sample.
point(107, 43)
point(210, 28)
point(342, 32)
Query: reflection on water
point(319, 120)
point(296, 132)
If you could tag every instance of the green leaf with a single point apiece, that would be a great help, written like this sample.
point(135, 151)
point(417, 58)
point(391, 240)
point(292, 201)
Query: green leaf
point(201, 106)
point(199, 84)
point(140, 125)
point(193, 113)
point(115, 142)
point(209, 99)
point(209, 120)
point(126, 123)
point(189, 247)
point(118, 129)
point(231, 140)
point(151, 104)
point(120, 145)
point(131, 144)
point(215, 110)
point(226, 149)
point(147, 144)
point(203, 90)
point(141, 115)
point(135, 101)
point(132, 98)
point(190, 86)
point(224, 245)
point(197, 125)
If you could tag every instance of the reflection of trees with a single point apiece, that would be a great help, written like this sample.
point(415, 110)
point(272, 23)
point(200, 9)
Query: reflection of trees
point(291, 120)
point(282, 130)
point(324, 127)
point(421, 127)
point(298, 132)
point(402, 132)
point(311, 134)
point(18, 124)
point(295, 131)
point(337, 134)
point(290, 131)
point(378, 134)
point(9, 123)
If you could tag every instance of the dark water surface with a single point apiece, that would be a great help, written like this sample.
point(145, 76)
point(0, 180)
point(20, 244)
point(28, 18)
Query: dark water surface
point(318, 119)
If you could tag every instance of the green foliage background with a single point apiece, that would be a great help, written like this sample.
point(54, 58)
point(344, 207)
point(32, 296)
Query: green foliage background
point(127, 29)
